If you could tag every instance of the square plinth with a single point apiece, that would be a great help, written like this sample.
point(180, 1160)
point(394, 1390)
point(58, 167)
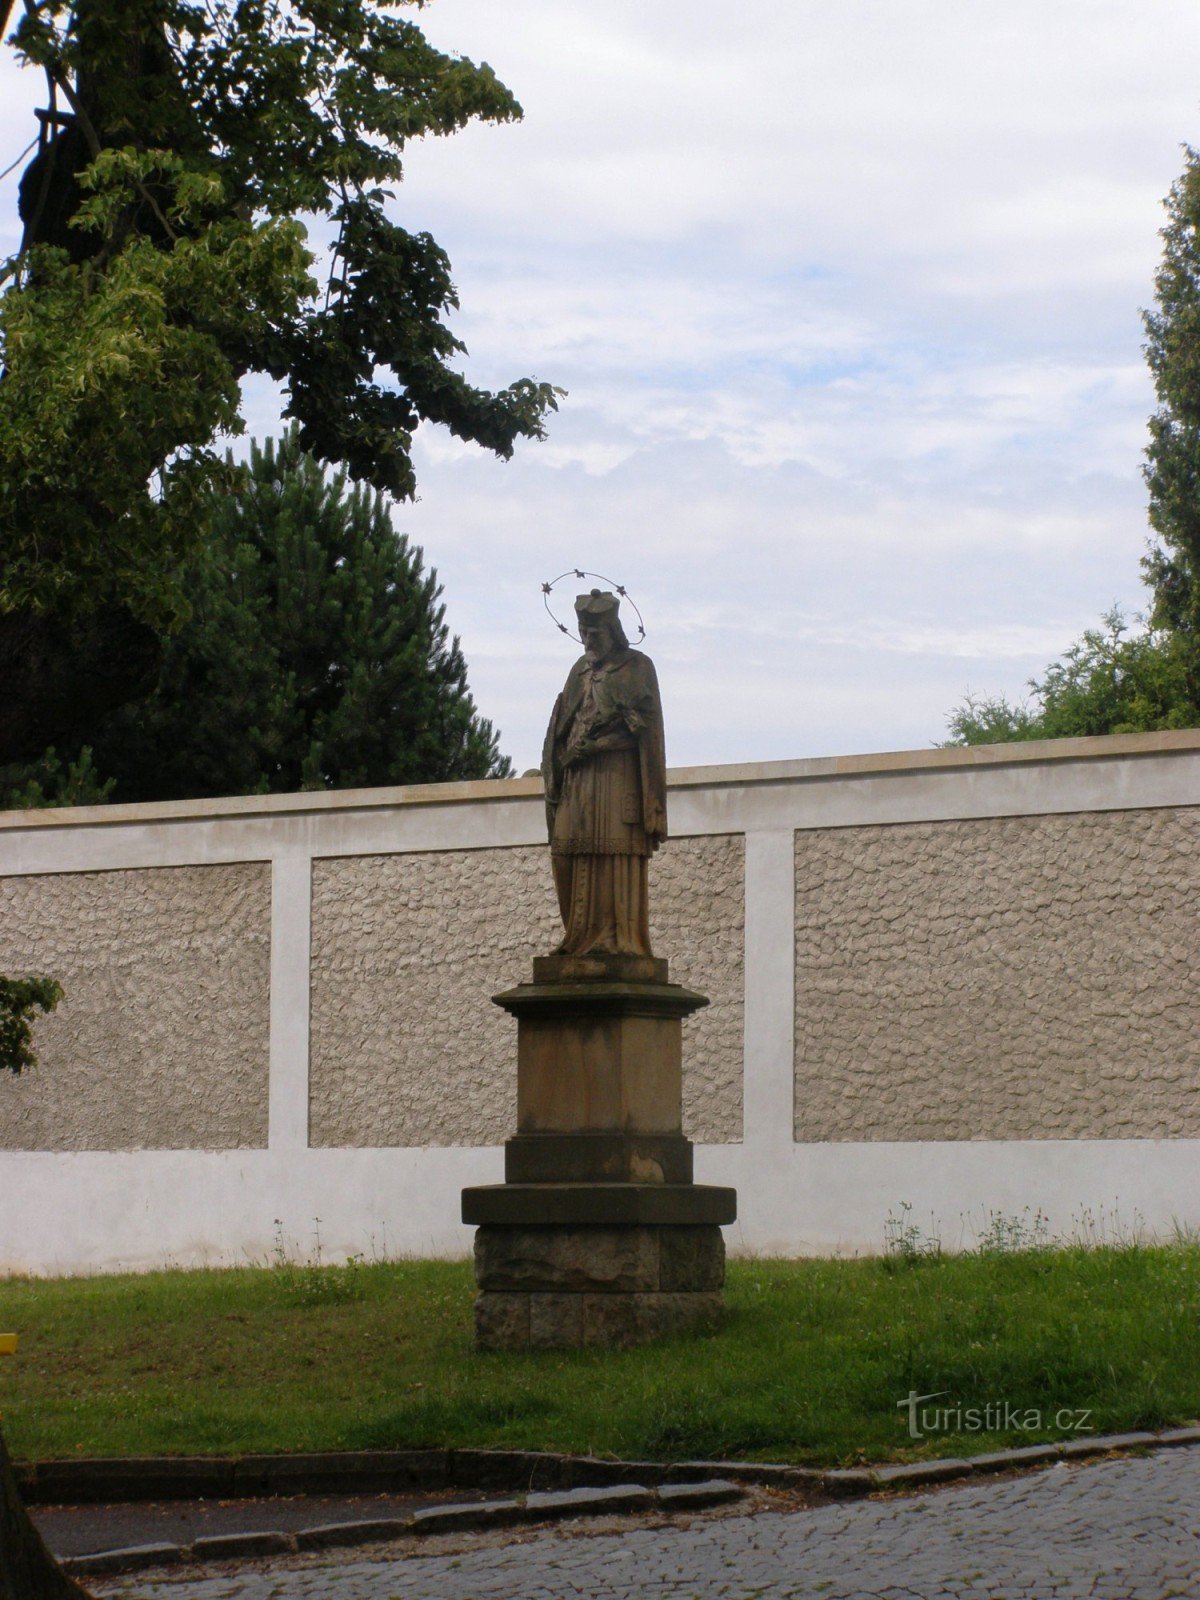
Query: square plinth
point(598, 1158)
point(599, 1237)
point(599, 1205)
point(601, 1056)
point(601, 966)
point(599, 1074)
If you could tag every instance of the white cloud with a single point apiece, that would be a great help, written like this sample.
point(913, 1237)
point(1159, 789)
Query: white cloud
point(847, 301)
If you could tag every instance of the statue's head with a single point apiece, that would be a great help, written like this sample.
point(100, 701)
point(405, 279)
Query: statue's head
point(599, 619)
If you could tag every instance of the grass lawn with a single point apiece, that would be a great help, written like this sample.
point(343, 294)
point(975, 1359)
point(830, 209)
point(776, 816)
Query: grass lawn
point(809, 1367)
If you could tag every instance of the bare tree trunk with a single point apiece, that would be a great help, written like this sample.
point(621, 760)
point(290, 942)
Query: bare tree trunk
point(27, 1569)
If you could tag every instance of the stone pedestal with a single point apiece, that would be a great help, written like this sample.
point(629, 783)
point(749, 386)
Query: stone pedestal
point(598, 1236)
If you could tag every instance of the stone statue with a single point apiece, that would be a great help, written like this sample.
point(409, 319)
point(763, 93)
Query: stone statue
point(606, 787)
point(598, 1235)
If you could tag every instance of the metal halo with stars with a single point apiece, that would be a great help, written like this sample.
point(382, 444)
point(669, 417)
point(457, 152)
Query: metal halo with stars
point(617, 589)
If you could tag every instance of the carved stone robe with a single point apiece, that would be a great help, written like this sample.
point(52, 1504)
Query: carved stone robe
point(605, 772)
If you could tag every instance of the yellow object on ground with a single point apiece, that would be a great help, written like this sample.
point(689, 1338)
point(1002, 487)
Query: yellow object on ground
point(8, 1344)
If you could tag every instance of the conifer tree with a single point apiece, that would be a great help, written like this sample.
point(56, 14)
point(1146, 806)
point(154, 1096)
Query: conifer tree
point(316, 656)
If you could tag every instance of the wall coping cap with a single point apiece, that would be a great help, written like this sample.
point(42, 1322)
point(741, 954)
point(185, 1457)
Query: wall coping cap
point(890, 763)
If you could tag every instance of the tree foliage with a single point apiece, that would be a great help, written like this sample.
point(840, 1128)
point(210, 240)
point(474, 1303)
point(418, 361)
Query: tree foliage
point(51, 781)
point(316, 655)
point(19, 999)
point(1109, 681)
point(114, 382)
point(185, 149)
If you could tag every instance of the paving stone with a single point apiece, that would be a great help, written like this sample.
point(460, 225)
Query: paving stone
point(694, 1496)
point(578, 1502)
point(1077, 1449)
point(1179, 1436)
point(1030, 1455)
point(594, 1471)
point(848, 1481)
point(921, 1472)
point(241, 1546)
point(780, 1474)
point(375, 1530)
point(454, 1519)
point(1123, 1441)
point(129, 1559)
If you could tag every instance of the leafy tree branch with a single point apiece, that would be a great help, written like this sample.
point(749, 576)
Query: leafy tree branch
point(185, 153)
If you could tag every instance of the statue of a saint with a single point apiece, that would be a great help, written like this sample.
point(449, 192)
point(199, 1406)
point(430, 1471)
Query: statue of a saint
point(606, 787)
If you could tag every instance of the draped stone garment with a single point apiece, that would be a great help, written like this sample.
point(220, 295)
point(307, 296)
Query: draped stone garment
point(605, 771)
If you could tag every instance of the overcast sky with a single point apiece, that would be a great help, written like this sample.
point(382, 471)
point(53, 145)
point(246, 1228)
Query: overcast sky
point(846, 298)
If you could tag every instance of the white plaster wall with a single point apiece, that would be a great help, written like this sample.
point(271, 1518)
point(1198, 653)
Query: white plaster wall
point(96, 1212)
point(102, 1210)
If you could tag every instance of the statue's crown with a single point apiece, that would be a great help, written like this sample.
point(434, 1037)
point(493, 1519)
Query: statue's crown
point(600, 603)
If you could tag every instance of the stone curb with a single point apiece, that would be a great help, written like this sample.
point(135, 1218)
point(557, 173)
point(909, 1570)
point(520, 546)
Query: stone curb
point(105, 1481)
point(673, 1486)
point(536, 1507)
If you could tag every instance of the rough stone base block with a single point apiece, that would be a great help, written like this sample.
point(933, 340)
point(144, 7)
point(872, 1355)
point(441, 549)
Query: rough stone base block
point(546, 1321)
point(567, 1288)
point(591, 1260)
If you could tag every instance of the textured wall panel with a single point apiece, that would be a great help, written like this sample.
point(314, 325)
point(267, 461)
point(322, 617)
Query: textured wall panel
point(161, 1041)
point(407, 949)
point(1014, 978)
point(697, 915)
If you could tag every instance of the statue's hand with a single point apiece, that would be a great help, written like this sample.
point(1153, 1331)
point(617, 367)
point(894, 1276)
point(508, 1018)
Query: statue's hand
point(575, 753)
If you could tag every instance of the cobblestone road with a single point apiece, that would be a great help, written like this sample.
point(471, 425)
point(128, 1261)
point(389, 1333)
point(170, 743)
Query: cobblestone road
point(1125, 1529)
